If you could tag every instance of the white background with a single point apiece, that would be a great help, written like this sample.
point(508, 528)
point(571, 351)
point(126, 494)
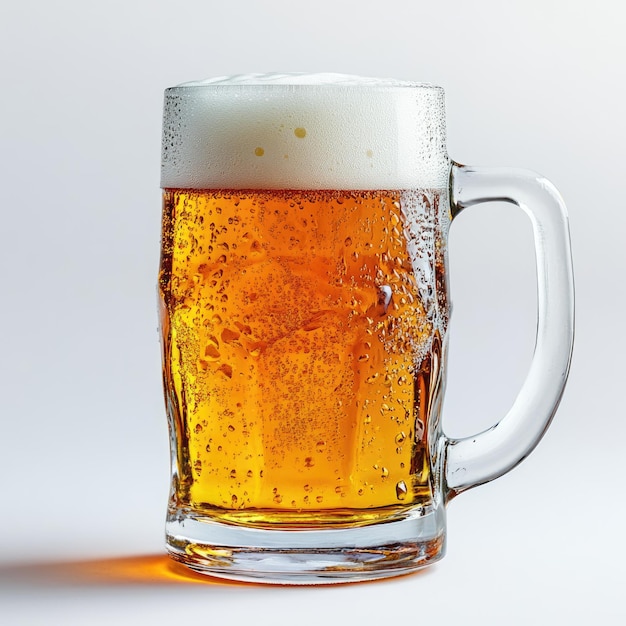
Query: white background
point(84, 460)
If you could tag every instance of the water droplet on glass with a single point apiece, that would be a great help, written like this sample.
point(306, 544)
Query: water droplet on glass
point(401, 490)
point(400, 437)
point(384, 472)
point(212, 353)
point(309, 462)
point(384, 298)
point(227, 370)
point(320, 446)
point(229, 335)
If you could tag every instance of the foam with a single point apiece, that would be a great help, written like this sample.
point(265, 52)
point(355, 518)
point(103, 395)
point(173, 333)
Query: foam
point(304, 131)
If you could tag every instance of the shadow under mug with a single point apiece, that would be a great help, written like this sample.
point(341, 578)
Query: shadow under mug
point(304, 311)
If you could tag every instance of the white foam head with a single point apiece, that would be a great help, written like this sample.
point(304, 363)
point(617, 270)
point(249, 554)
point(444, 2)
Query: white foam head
point(304, 131)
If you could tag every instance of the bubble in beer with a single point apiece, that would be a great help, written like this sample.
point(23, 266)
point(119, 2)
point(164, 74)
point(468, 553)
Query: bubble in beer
point(259, 151)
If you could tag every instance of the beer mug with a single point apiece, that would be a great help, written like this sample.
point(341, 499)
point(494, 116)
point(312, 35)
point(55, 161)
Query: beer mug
point(304, 311)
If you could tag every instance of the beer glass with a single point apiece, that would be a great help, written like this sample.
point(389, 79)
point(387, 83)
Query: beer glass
point(304, 311)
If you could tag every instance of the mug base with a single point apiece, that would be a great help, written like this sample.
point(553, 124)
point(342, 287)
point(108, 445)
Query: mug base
point(307, 556)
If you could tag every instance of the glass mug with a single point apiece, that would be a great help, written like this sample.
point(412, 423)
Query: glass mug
point(304, 310)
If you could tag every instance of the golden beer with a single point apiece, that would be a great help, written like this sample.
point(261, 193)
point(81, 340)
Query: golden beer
point(301, 354)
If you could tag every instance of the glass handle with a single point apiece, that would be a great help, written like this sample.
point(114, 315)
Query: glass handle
point(476, 460)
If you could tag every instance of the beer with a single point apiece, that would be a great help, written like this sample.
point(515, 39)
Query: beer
point(302, 351)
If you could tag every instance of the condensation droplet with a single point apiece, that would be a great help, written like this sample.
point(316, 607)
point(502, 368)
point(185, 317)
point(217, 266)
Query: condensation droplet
point(401, 490)
point(320, 446)
point(233, 473)
point(212, 353)
point(309, 462)
point(249, 474)
point(227, 370)
point(384, 472)
point(198, 429)
point(400, 437)
point(229, 335)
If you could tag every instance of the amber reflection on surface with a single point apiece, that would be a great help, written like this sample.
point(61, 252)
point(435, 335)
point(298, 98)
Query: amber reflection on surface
point(146, 570)
point(129, 570)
